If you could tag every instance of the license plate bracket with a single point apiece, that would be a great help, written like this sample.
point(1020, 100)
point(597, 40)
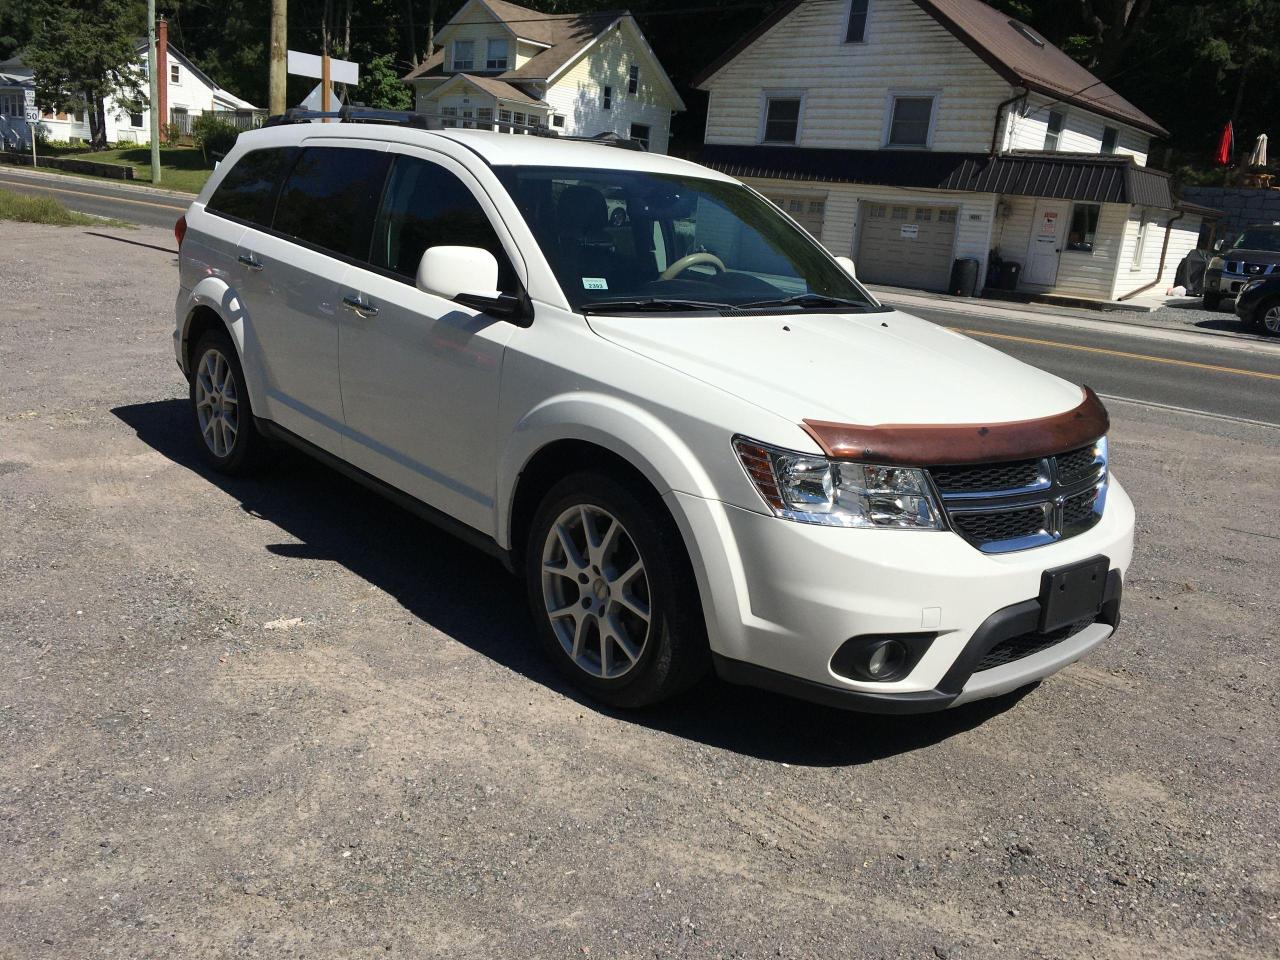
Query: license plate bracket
point(1072, 593)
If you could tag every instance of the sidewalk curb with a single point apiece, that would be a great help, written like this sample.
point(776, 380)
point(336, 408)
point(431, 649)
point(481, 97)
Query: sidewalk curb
point(52, 176)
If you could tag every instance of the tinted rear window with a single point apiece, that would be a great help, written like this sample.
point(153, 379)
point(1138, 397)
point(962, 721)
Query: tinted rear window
point(247, 190)
point(329, 197)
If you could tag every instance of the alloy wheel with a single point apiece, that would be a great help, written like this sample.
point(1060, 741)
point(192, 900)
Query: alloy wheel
point(217, 403)
point(1271, 320)
point(596, 591)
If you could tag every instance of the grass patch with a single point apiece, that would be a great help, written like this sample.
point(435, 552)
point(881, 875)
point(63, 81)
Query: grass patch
point(25, 209)
point(181, 168)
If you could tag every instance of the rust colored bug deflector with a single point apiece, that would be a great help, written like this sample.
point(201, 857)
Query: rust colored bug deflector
point(919, 445)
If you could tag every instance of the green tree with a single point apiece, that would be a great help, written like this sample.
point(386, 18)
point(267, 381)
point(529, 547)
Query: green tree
point(83, 52)
point(381, 86)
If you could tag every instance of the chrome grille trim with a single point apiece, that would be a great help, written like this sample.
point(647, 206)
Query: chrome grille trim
point(1068, 498)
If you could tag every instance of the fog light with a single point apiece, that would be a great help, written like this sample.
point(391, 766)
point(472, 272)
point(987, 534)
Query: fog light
point(886, 659)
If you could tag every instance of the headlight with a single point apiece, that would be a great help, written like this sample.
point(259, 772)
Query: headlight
point(1217, 263)
point(838, 493)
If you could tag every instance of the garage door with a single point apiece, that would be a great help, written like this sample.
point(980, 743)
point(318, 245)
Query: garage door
point(906, 245)
point(805, 209)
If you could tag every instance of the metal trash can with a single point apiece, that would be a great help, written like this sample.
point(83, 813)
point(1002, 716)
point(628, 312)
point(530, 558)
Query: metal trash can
point(964, 278)
point(1009, 274)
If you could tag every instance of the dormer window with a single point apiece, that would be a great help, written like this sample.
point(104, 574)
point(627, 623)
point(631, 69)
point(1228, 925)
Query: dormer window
point(855, 30)
point(1053, 132)
point(496, 58)
point(464, 55)
point(911, 121)
point(1110, 136)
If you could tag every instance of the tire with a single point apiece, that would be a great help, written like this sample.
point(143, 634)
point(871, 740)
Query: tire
point(598, 638)
point(221, 413)
point(1267, 317)
point(1212, 301)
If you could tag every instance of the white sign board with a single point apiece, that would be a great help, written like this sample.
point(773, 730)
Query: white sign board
point(33, 114)
point(910, 231)
point(308, 65)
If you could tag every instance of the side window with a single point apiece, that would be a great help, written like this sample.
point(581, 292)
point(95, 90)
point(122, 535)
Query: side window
point(427, 206)
point(327, 199)
point(247, 190)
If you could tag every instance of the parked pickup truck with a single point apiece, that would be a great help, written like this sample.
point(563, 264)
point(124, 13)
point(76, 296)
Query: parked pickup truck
point(702, 443)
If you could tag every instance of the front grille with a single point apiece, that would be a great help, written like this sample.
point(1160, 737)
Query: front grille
point(1026, 645)
point(987, 476)
point(996, 526)
point(1250, 269)
point(1018, 504)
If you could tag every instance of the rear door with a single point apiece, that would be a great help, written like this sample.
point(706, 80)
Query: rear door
point(323, 218)
point(906, 245)
point(420, 374)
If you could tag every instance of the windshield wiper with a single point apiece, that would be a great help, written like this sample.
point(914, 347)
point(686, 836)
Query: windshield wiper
point(651, 304)
point(805, 301)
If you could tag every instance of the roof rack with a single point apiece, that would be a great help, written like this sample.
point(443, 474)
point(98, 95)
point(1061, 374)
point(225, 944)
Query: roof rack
point(357, 113)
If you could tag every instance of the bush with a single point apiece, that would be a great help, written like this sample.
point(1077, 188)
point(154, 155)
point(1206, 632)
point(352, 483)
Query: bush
point(214, 137)
point(170, 134)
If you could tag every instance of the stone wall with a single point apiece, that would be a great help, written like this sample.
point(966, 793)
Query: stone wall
point(1241, 206)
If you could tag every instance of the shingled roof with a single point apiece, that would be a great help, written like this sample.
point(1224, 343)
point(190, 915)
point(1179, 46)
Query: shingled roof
point(1011, 48)
point(563, 34)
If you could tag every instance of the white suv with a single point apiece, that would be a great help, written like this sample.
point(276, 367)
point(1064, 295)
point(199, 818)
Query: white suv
point(700, 440)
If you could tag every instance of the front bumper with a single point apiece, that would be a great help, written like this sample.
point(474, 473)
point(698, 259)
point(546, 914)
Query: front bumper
point(781, 598)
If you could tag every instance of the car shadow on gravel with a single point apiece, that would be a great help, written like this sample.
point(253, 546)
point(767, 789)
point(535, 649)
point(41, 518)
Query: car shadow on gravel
point(470, 596)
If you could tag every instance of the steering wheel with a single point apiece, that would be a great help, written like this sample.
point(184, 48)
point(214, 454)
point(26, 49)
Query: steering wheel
point(691, 260)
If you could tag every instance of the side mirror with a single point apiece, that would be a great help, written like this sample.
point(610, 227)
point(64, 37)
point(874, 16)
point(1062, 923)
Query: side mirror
point(1218, 245)
point(469, 276)
point(848, 266)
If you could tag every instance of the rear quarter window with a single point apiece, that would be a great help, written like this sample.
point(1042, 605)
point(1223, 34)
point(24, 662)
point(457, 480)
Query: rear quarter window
point(248, 190)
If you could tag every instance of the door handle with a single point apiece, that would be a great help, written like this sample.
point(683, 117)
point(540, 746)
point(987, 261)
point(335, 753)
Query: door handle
point(360, 305)
point(250, 261)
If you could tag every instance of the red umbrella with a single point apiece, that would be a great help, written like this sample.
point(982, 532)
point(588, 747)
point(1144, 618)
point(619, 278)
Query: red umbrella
point(1226, 146)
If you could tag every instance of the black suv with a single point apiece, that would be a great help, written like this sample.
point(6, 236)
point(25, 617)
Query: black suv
point(1255, 253)
point(1258, 304)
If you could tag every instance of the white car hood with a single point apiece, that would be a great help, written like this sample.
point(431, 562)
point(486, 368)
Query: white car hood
point(868, 369)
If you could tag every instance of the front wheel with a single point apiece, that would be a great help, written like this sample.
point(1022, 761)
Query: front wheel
point(612, 593)
point(1212, 301)
point(1269, 314)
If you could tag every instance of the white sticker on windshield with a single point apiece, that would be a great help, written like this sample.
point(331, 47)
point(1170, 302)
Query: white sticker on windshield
point(595, 283)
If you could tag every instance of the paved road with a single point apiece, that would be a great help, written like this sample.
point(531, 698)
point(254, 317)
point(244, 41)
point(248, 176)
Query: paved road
point(1204, 374)
point(100, 199)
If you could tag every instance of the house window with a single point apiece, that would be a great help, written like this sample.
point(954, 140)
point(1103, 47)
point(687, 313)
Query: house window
point(174, 73)
point(504, 116)
point(1084, 227)
point(484, 117)
point(912, 117)
point(497, 55)
point(10, 105)
point(135, 119)
point(633, 79)
point(607, 98)
point(900, 213)
point(781, 120)
point(1053, 132)
point(449, 114)
point(558, 120)
point(1109, 137)
point(1141, 242)
point(640, 134)
point(464, 55)
point(855, 30)
point(520, 118)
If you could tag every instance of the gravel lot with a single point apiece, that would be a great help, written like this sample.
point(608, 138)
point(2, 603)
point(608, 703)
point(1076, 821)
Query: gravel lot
point(279, 718)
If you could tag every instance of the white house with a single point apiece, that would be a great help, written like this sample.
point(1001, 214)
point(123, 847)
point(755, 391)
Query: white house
point(185, 92)
point(910, 133)
point(580, 75)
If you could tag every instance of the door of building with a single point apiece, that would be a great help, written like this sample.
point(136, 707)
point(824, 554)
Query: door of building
point(1048, 225)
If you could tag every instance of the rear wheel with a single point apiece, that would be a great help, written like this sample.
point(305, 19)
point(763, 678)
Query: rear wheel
point(220, 406)
point(612, 592)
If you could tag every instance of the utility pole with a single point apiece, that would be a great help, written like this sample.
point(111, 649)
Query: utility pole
point(279, 45)
point(155, 91)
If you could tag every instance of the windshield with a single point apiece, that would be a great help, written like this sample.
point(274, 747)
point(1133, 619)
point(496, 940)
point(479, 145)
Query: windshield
point(1259, 238)
point(623, 239)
